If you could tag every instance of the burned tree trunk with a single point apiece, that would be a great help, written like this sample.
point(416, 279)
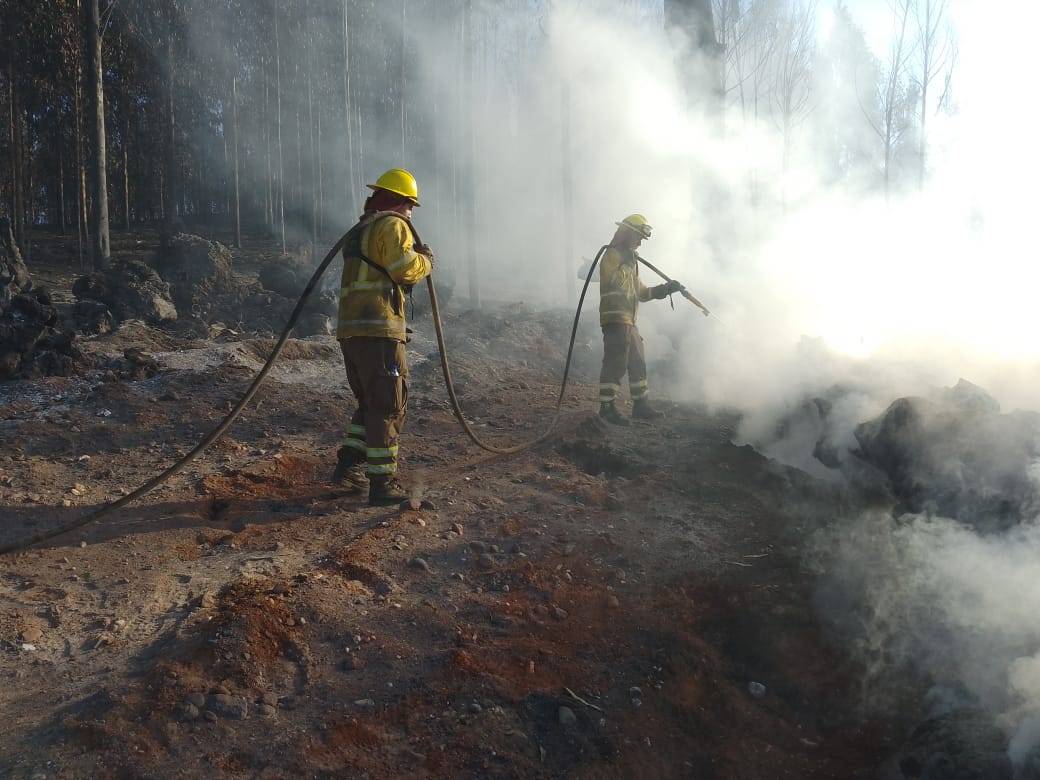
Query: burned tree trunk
point(278, 122)
point(15, 136)
point(96, 92)
point(695, 19)
point(235, 205)
point(469, 225)
point(348, 114)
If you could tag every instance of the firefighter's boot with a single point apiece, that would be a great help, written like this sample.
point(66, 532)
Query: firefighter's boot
point(642, 410)
point(385, 490)
point(610, 413)
point(350, 471)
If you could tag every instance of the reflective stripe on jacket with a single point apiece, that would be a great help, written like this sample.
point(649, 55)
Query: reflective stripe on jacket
point(620, 290)
point(369, 304)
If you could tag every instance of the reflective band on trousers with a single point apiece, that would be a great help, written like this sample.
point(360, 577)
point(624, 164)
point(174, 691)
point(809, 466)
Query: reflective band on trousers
point(355, 444)
point(382, 468)
point(386, 323)
point(608, 391)
point(612, 312)
point(382, 452)
point(359, 429)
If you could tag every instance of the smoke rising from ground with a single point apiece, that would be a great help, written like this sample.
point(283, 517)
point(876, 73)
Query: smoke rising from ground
point(818, 278)
point(930, 595)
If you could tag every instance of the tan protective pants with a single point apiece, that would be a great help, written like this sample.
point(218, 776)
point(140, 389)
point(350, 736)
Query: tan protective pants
point(622, 352)
point(377, 371)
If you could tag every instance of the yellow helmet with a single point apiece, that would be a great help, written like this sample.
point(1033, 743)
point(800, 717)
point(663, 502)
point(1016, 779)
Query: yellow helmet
point(636, 223)
point(400, 182)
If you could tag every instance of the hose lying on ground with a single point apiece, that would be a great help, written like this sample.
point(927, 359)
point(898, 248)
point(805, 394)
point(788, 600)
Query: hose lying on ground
point(203, 445)
point(226, 423)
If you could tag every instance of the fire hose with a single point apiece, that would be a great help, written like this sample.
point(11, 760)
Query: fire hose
point(214, 435)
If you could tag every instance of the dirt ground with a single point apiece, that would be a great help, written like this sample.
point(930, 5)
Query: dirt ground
point(614, 603)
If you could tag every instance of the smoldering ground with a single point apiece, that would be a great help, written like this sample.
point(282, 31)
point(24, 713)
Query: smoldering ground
point(825, 285)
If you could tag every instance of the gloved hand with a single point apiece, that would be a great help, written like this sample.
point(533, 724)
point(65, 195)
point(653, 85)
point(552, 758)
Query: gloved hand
point(664, 290)
point(422, 249)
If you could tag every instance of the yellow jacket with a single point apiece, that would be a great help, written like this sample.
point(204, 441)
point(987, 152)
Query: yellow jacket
point(620, 290)
point(369, 305)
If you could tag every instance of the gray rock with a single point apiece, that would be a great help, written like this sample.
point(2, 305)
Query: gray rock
point(234, 707)
point(567, 717)
point(419, 563)
point(198, 699)
point(187, 711)
point(485, 561)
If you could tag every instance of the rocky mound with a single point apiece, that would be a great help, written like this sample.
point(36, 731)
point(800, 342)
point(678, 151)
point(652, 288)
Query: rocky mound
point(196, 270)
point(956, 455)
point(131, 290)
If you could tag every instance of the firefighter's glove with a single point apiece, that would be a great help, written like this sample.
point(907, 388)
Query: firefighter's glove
point(664, 290)
point(422, 249)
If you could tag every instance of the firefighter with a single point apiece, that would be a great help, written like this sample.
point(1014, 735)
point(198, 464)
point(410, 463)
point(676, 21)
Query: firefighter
point(621, 291)
point(381, 263)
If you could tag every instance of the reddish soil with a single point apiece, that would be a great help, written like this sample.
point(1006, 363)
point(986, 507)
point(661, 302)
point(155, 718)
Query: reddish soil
point(596, 607)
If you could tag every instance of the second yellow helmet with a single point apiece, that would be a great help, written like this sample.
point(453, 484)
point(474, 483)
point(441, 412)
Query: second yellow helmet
point(636, 223)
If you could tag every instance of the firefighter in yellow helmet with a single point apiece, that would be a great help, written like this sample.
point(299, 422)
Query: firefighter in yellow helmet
point(621, 292)
point(381, 262)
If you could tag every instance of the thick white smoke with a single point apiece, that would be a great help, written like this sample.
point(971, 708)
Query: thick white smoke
point(955, 607)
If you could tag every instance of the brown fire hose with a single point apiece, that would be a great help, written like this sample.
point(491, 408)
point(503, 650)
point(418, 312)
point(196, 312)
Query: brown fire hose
point(213, 436)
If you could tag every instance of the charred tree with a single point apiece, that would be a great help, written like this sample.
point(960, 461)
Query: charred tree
point(235, 204)
point(98, 160)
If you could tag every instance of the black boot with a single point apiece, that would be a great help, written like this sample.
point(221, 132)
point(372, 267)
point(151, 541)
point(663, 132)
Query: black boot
point(350, 472)
point(385, 491)
point(610, 413)
point(642, 410)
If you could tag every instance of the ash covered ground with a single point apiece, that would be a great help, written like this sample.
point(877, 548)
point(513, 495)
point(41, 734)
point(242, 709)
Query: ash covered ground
point(613, 603)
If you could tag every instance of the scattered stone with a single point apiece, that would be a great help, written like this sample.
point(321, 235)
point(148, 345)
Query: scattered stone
point(210, 716)
point(419, 563)
point(234, 707)
point(567, 717)
point(365, 703)
point(198, 699)
point(613, 602)
point(560, 613)
point(457, 528)
point(186, 711)
point(756, 689)
point(485, 561)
